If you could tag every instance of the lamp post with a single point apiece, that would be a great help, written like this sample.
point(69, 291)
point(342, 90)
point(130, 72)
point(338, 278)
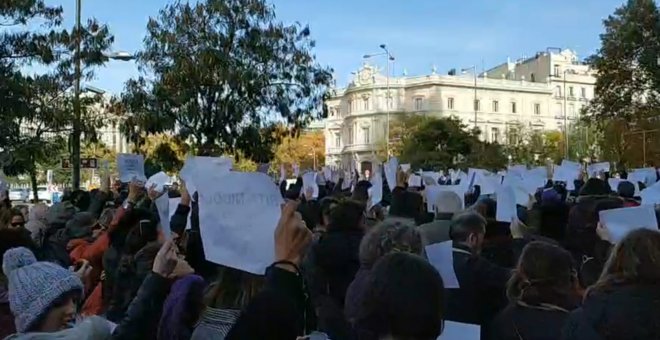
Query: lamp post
point(474, 103)
point(390, 58)
point(75, 136)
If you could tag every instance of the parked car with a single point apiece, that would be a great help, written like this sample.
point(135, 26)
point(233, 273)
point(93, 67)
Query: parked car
point(18, 195)
point(43, 193)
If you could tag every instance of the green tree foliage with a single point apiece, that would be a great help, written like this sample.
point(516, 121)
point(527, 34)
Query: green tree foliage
point(37, 109)
point(627, 93)
point(440, 143)
point(221, 73)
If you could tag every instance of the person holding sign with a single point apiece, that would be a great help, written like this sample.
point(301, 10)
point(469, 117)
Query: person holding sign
point(623, 304)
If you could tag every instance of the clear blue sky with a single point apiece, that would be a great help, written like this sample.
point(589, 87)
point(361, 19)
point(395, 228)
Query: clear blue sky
point(420, 33)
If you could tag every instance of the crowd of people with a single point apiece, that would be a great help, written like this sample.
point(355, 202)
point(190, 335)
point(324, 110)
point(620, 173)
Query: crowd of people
point(97, 266)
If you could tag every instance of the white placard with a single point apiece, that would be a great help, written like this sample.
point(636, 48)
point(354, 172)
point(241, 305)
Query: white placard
point(160, 180)
point(571, 164)
point(441, 257)
point(195, 165)
point(434, 176)
point(238, 214)
point(645, 175)
point(390, 169)
point(309, 181)
point(506, 204)
point(348, 179)
point(620, 222)
point(651, 195)
point(414, 181)
point(163, 214)
point(539, 171)
point(567, 174)
point(460, 331)
point(405, 167)
point(327, 173)
point(131, 167)
point(376, 190)
point(594, 169)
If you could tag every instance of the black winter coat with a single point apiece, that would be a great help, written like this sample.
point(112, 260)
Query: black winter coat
point(628, 312)
point(517, 322)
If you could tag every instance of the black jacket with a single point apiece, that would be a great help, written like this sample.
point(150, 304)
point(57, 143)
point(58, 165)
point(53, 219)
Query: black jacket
point(147, 303)
point(628, 312)
point(481, 293)
point(517, 322)
point(280, 311)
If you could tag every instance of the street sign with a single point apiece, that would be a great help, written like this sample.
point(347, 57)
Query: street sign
point(85, 163)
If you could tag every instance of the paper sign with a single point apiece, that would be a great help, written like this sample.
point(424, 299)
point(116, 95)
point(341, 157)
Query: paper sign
point(614, 185)
point(405, 167)
point(196, 165)
point(434, 176)
point(571, 164)
point(566, 174)
point(506, 204)
point(238, 214)
point(131, 167)
point(376, 190)
point(441, 257)
point(650, 197)
point(162, 205)
point(414, 181)
point(460, 331)
point(160, 180)
point(173, 204)
point(391, 167)
point(539, 171)
point(620, 222)
point(645, 175)
point(309, 181)
point(346, 184)
point(327, 173)
point(594, 169)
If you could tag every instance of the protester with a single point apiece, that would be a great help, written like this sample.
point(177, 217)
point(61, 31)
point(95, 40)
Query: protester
point(17, 219)
point(9, 238)
point(626, 191)
point(624, 303)
point(178, 318)
point(541, 293)
point(385, 238)
point(404, 298)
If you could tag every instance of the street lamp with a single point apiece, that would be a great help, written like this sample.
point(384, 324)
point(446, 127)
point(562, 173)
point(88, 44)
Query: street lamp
point(474, 71)
point(390, 58)
point(75, 136)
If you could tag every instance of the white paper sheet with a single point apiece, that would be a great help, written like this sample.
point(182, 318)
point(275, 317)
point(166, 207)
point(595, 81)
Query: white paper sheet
point(414, 181)
point(435, 176)
point(131, 167)
point(238, 214)
point(567, 174)
point(620, 222)
point(594, 169)
point(309, 181)
point(539, 171)
point(650, 196)
point(198, 164)
point(162, 205)
point(405, 167)
point(173, 204)
point(390, 169)
point(376, 190)
point(644, 175)
point(327, 173)
point(441, 257)
point(159, 179)
point(506, 204)
point(614, 184)
point(460, 331)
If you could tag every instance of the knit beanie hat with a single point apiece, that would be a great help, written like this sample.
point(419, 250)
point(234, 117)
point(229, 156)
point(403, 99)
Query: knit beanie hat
point(60, 213)
point(186, 294)
point(33, 286)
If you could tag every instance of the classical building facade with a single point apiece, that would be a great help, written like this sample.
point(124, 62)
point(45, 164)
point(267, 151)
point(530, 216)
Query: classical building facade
point(543, 92)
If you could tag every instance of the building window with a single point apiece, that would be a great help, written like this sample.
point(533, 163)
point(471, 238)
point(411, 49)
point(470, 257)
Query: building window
point(337, 140)
point(571, 110)
point(365, 103)
point(366, 136)
point(419, 104)
point(350, 106)
point(350, 136)
point(570, 92)
point(583, 92)
point(537, 109)
point(513, 136)
point(557, 71)
point(338, 111)
point(558, 91)
point(532, 78)
point(495, 135)
point(496, 106)
point(513, 107)
point(390, 102)
point(450, 103)
point(477, 105)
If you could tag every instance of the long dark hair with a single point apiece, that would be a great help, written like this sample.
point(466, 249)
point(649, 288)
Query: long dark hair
point(545, 274)
point(633, 261)
point(347, 215)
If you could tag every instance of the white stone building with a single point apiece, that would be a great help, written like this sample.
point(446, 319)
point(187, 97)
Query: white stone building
point(539, 93)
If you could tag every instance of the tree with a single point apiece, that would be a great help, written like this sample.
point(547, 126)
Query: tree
point(402, 127)
point(220, 73)
point(306, 150)
point(164, 151)
point(37, 109)
point(439, 143)
point(627, 93)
